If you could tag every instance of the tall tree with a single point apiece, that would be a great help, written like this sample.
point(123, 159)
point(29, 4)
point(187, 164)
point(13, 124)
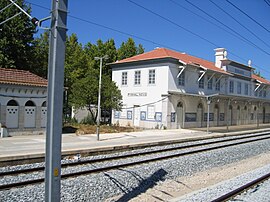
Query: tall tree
point(41, 53)
point(16, 37)
point(129, 49)
point(85, 93)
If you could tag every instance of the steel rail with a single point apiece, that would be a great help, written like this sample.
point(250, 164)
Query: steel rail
point(38, 169)
point(106, 168)
point(241, 189)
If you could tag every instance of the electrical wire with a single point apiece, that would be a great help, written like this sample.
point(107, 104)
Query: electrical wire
point(239, 23)
point(141, 38)
point(239, 36)
point(267, 2)
point(190, 31)
point(248, 16)
point(151, 103)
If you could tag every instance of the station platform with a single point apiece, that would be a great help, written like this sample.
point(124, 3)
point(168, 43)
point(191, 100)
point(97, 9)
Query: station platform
point(20, 148)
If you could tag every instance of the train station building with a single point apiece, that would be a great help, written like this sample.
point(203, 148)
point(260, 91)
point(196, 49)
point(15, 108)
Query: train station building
point(22, 101)
point(168, 89)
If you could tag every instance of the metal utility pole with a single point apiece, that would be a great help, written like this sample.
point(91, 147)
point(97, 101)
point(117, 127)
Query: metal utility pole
point(99, 91)
point(55, 100)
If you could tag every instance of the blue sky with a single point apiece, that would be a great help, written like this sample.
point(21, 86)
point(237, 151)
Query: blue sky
point(175, 24)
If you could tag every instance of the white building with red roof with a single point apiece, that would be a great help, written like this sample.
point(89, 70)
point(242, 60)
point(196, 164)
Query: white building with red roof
point(22, 100)
point(165, 88)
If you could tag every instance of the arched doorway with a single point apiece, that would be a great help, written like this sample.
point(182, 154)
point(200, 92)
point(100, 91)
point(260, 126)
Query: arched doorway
point(12, 114)
point(43, 114)
point(30, 114)
point(245, 116)
point(179, 115)
point(255, 114)
point(238, 116)
point(264, 121)
point(200, 115)
point(216, 114)
point(230, 115)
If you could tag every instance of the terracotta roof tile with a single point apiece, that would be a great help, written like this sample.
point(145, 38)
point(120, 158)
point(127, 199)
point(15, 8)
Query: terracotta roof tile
point(21, 77)
point(166, 53)
point(260, 79)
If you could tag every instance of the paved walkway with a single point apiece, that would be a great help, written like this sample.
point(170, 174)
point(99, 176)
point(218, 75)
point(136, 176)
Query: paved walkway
point(24, 147)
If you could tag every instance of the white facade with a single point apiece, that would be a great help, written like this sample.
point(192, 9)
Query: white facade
point(177, 98)
point(21, 107)
point(23, 98)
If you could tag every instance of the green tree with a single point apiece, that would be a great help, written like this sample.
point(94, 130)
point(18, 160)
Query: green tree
point(129, 49)
point(101, 49)
point(16, 37)
point(85, 93)
point(41, 53)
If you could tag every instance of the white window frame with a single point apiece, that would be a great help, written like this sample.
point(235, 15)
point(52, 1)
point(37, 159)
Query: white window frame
point(152, 77)
point(231, 86)
point(201, 83)
point(151, 112)
point(210, 83)
point(181, 79)
point(137, 77)
point(239, 87)
point(217, 84)
point(124, 78)
point(246, 89)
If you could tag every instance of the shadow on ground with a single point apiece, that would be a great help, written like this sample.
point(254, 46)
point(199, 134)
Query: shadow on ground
point(144, 184)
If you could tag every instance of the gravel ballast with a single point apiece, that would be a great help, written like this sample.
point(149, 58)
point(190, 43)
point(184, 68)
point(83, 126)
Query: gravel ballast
point(125, 184)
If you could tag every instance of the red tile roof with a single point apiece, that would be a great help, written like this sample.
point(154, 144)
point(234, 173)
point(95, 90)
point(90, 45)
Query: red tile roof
point(260, 79)
point(21, 77)
point(166, 53)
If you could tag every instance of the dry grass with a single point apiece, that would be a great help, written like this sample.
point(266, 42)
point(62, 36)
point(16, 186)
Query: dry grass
point(81, 129)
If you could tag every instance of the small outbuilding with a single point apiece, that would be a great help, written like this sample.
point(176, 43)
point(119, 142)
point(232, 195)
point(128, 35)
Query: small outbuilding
point(23, 98)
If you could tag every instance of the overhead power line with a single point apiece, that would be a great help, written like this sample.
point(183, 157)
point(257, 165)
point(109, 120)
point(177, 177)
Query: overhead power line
point(255, 35)
point(141, 38)
point(240, 36)
point(174, 23)
point(267, 2)
point(248, 16)
point(170, 21)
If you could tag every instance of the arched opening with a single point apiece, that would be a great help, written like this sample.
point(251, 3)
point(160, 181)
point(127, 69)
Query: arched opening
point(30, 103)
point(12, 103)
point(200, 115)
point(238, 115)
point(12, 114)
point(179, 115)
point(264, 121)
point(216, 114)
point(245, 115)
point(30, 114)
point(44, 104)
point(230, 115)
point(43, 114)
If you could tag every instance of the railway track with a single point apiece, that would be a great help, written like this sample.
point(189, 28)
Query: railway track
point(241, 189)
point(183, 150)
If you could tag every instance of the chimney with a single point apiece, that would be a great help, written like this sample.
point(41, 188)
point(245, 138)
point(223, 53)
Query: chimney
point(221, 54)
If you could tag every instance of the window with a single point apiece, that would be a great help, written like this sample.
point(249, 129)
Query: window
point(181, 79)
point(152, 76)
point(231, 90)
point(246, 89)
point(137, 78)
point(264, 93)
point(217, 84)
point(239, 87)
point(201, 83)
point(209, 83)
point(150, 111)
point(260, 93)
point(124, 78)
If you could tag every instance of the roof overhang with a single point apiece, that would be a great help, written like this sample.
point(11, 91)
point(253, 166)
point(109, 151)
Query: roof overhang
point(222, 96)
